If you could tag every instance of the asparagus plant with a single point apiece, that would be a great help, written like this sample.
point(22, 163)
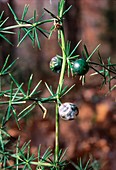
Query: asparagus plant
point(67, 62)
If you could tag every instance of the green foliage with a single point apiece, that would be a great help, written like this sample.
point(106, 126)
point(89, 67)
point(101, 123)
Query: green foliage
point(14, 96)
point(89, 165)
point(2, 30)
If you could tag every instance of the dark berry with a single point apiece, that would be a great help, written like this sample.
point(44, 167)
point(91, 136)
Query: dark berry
point(56, 64)
point(80, 66)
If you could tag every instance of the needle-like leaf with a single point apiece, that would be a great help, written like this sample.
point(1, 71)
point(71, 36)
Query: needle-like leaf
point(36, 87)
point(26, 111)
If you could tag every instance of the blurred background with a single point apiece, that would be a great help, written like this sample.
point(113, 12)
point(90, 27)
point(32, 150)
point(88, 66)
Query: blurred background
point(94, 132)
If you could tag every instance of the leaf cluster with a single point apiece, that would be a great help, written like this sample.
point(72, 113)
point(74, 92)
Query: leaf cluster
point(106, 70)
point(24, 159)
point(30, 27)
point(91, 164)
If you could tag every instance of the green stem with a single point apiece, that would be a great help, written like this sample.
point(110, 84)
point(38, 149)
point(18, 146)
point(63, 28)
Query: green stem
point(61, 79)
point(0, 83)
point(25, 25)
point(59, 89)
point(57, 135)
point(16, 26)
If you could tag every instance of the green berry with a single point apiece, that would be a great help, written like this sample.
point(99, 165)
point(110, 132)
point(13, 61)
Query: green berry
point(56, 64)
point(80, 66)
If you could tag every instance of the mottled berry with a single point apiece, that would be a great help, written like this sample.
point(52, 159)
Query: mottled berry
point(68, 111)
point(56, 64)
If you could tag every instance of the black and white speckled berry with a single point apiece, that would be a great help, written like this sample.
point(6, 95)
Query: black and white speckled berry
point(68, 111)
